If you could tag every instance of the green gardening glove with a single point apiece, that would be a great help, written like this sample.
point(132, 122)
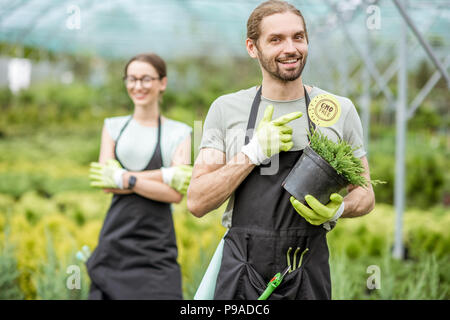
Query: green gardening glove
point(272, 136)
point(319, 213)
point(177, 177)
point(107, 175)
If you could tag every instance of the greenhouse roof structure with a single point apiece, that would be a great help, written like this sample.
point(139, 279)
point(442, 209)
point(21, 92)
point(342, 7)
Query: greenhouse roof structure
point(174, 28)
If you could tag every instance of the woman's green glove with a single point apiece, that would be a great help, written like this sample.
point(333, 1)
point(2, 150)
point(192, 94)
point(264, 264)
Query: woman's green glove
point(272, 136)
point(177, 177)
point(107, 175)
point(318, 213)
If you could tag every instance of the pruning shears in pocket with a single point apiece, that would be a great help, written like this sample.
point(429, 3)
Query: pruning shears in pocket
point(273, 284)
point(278, 278)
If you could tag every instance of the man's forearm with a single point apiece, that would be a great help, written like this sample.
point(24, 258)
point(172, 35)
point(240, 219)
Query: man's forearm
point(358, 202)
point(207, 192)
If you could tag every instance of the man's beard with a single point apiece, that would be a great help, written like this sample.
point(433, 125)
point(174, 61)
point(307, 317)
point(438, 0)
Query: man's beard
point(273, 68)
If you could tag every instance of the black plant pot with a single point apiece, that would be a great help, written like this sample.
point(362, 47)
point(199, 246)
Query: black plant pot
point(313, 175)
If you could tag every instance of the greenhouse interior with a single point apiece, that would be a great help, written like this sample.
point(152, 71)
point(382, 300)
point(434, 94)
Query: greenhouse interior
point(62, 74)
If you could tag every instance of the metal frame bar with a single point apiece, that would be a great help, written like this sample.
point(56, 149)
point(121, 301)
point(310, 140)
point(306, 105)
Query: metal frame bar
point(422, 41)
point(29, 28)
point(366, 58)
point(400, 142)
point(365, 99)
point(13, 7)
point(403, 115)
point(426, 90)
point(392, 69)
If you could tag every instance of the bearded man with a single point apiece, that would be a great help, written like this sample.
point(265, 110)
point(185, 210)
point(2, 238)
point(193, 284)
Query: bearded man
point(268, 229)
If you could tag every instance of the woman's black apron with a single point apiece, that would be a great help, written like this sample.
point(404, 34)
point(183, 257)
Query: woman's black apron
point(136, 256)
point(264, 227)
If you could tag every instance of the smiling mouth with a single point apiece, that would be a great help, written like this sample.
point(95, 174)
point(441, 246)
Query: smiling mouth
point(140, 95)
point(290, 62)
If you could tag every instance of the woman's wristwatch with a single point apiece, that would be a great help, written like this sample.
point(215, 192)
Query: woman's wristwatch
point(131, 182)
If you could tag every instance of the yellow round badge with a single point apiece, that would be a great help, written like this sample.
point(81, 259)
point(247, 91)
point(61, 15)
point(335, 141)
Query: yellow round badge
point(324, 110)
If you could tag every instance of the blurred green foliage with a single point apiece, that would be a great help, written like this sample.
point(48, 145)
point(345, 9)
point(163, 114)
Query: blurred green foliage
point(45, 233)
point(9, 272)
point(427, 180)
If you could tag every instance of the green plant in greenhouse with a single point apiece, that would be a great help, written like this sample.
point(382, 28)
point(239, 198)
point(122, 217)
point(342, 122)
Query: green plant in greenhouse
point(9, 273)
point(340, 156)
point(53, 278)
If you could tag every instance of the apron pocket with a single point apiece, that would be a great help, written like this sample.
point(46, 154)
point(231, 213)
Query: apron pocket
point(250, 260)
point(251, 285)
point(292, 286)
point(261, 254)
point(310, 281)
point(238, 278)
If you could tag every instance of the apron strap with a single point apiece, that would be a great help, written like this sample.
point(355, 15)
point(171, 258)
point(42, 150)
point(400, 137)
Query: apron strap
point(158, 142)
point(123, 128)
point(254, 113)
point(310, 123)
point(252, 117)
point(157, 154)
point(118, 137)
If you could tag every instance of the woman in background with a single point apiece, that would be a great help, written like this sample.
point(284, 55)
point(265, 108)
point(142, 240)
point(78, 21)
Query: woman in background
point(144, 161)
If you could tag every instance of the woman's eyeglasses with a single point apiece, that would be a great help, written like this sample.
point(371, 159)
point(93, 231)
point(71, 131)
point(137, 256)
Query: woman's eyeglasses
point(146, 81)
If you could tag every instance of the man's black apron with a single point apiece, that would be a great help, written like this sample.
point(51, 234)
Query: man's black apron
point(264, 227)
point(136, 256)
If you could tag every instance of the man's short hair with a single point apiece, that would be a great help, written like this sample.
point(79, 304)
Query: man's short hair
point(269, 8)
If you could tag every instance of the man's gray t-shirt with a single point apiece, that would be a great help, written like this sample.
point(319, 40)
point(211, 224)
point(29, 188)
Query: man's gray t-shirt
point(226, 124)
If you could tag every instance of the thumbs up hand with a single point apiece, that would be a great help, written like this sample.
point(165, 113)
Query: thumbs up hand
point(272, 136)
